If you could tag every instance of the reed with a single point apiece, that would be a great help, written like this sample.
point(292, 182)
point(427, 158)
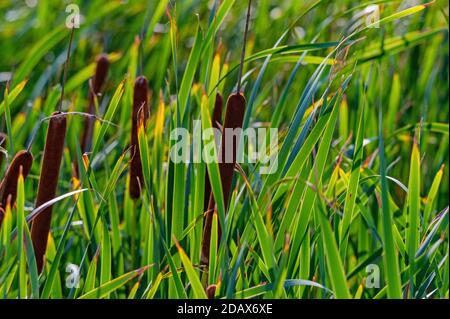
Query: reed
point(48, 181)
point(140, 110)
point(325, 191)
point(101, 72)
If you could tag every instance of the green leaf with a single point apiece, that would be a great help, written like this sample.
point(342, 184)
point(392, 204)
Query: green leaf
point(189, 73)
point(432, 196)
point(12, 95)
point(57, 259)
point(110, 111)
point(213, 249)
point(111, 286)
point(334, 263)
point(212, 160)
point(412, 232)
point(38, 51)
point(394, 288)
point(352, 190)
point(29, 250)
point(105, 255)
point(156, 16)
point(300, 225)
point(197, 289)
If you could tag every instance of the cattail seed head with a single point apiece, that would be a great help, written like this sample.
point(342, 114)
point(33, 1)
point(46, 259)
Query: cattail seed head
point(48, 181)
point(8, 187)
point(234, 118)
point(101, 72)
point(140, 113)
point(211, 291)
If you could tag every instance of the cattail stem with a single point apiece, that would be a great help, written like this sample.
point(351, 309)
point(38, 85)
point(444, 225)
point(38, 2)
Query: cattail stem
point(234, 117)
point(241, 65)
point(48, 181)
point(140, 110)
point(8, 187)
point(98, 81)
point(66, 67)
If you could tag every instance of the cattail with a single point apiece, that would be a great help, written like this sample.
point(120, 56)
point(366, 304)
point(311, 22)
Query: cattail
point(3, 137)
point(98, 81)
point(233, 120)
point(8, 187)
point(234, 117)
point(216, 123)
point(211, 291)
point(48, 181)
point(140, 109)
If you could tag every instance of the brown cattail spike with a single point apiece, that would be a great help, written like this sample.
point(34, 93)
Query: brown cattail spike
point(101, 72)
point(211, 291)
point(216, 123)
point(98, 81)
point(48, 181)
point(140, 111)
point(8, 187)
point(234, 117)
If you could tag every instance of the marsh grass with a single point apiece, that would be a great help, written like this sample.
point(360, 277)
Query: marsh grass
point(356, 208)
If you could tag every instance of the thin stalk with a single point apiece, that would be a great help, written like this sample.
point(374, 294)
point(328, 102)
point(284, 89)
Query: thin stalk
point(66, 67)
point(241, 65)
